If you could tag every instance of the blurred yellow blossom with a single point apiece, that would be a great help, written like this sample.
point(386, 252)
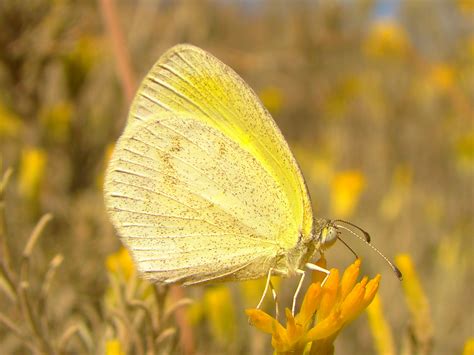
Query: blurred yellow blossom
point(468, 347)
point(79, 60)
point(470, 47)
point(442, 76)
point(10, 124)
point(466, 6)
point(464, 150)
point(380, 328)
point(421, 324)
point(56, 120)
point(346, 188)
point(219, 308)
point(338, 101)
point(325, 310)
point(453, 255)
point(252, 289)
point(32, 170)
point(120, 263)
point(386, 39)
point(113, 347)
point(123, 275)
point(272, 99)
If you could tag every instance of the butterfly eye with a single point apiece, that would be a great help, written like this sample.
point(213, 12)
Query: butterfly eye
point(329, 236)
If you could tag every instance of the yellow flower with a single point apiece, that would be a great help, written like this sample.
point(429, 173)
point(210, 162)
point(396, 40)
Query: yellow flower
point(324, 312)
point(421, 324)
point(123, 275)
point(470, 47)
point(252, 289)
point(380, 328)
point(386, 39)
point(113, 347)
point(32, 169)
point(10, 124)
point(464, 151)
point(56, 120)
point(468, 347)
point(442, 76)
point(220, 313)
point(346, 188)
point(120, 263)
point(466, 6)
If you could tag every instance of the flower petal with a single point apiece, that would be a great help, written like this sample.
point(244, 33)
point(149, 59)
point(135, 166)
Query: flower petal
point(381, 332)
point(349, 278)
point(325, 328)
point(280, 341)
point(291, 327)
point(311, 302)
point(329, 296)
point(261, 320)
point(353, 304)
point(371, 289)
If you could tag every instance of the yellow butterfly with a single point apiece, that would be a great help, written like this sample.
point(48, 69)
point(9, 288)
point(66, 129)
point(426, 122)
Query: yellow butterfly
point(202, 186)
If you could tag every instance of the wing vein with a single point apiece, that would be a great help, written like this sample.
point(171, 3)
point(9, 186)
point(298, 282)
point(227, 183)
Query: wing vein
point(164, 215)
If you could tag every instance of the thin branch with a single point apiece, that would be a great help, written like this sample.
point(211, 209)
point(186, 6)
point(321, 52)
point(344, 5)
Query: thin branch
point(17, 331)
point(66, 336)
point(122, 319)
point(119, 47)
point(186, 333)
point(151, 334)
point(9, 284)
point(24, 297)
point(42, 298)
point(4, 251)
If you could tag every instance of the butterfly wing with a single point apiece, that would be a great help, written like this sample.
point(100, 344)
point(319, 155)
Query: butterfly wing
point(202, 184)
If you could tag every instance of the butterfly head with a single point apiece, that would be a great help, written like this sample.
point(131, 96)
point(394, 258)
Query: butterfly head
point(328, 235)
point(328, 231)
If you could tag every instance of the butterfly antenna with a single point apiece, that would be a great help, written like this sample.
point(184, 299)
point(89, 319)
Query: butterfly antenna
point(394, 268)
point(364, 232)
point(348, 247)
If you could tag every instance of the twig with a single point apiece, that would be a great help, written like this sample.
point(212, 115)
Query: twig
point(25, 301)
point(4, 251)
point(9, 284)
point(15, 330)
point(4, 182)
point(124, 67)
point(178, 304)
point(53, 266)
point(117, 316)
point(186, 336)
point(66, 336)
point(168, 332)
point(150, 335)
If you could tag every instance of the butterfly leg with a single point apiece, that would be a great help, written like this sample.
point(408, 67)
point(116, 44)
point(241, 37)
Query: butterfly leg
point(295, 296)
point(315, 267)
point(267, 284)
point(275, 299)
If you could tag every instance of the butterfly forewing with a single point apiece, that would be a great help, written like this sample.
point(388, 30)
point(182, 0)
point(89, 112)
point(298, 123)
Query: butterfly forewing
point(202, 185)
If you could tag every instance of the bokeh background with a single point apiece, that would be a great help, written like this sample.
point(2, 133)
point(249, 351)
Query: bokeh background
point(376, 99)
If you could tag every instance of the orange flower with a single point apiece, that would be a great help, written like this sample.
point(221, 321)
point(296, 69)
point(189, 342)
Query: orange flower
point(324, 312)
